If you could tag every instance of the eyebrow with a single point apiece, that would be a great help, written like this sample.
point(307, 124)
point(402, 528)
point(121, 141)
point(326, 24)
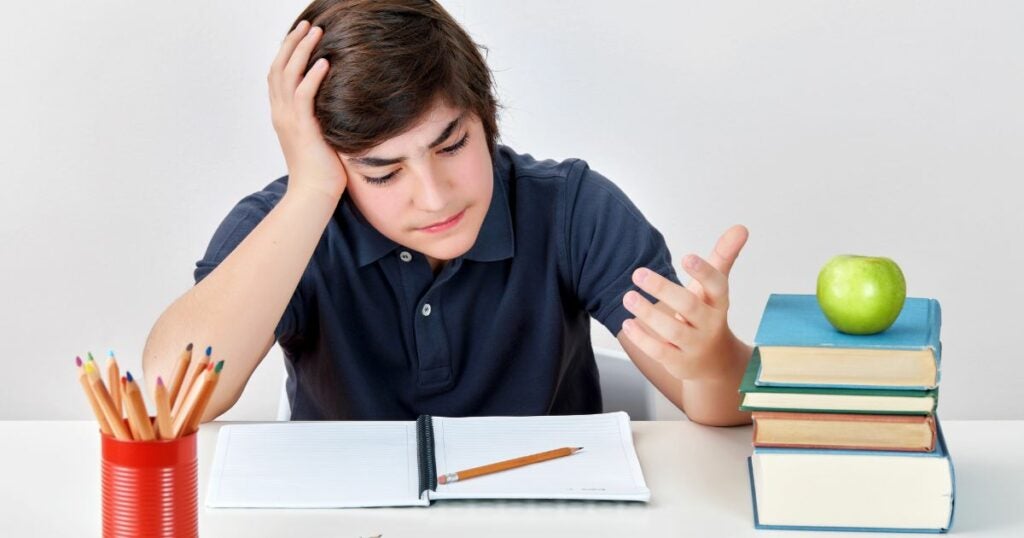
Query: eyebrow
point(381, 161)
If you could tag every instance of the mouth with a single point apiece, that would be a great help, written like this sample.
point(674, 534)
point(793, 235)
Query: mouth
point(443, 225)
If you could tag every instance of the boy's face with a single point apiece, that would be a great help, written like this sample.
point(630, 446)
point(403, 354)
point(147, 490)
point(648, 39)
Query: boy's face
point(428, 188)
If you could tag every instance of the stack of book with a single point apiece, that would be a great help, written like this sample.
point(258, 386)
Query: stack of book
point(845, 431)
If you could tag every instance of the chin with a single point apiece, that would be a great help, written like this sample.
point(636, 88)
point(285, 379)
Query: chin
point(450, 248)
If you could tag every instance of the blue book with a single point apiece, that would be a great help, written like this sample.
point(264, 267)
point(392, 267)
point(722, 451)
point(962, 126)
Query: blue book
point(853, 490)
point(800, 348)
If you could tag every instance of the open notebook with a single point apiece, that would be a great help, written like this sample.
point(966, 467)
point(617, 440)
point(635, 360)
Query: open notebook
point(362, 464)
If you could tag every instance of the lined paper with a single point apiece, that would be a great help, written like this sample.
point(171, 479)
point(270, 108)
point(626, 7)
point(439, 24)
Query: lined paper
point(607, 467)
point(363, 464)
point(315, 465)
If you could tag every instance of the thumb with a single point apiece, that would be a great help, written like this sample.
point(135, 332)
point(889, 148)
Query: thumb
point(723, 256)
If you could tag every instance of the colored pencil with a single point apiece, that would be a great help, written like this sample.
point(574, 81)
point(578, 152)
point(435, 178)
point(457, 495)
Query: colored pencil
point(183, 416)
point(137, 412)
point(180, 369)
point(163, 411)
point(132, 427)
point(196, 370)
point(105, 403)
point(84, 381)
point(113, 383)
point(507, 464)
point(196, 417)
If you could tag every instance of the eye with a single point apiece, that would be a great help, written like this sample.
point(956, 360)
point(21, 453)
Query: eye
point(454, 148)
point(380, 180)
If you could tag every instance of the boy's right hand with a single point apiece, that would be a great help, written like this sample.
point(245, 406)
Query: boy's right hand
point(312, 163)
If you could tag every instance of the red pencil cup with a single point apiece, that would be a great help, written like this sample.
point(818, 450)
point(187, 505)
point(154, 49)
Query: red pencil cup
point(149, 487)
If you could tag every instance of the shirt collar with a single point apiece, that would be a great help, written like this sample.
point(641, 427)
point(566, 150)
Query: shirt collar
point(496, 240)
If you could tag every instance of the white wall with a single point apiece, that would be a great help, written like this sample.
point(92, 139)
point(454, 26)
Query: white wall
point(885, 128)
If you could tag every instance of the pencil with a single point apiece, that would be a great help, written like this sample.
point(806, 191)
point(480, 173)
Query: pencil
point(163, 410)
point(105, 403)
point(190, 380)
point(178, 376)
point(113, 381)
point(196, 416)
point(137, 413)
point(183, 417)
point(132, 428)
point(507, 464)
point(84, 381)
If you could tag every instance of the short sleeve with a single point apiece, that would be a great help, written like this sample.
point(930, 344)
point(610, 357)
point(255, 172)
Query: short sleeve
point(236, 226)
point(608, 239)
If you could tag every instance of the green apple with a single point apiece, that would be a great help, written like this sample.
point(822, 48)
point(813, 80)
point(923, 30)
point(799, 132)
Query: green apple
point(861, 294)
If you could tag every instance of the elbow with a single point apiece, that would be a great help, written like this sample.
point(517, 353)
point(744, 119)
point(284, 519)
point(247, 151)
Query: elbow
point(730, 420)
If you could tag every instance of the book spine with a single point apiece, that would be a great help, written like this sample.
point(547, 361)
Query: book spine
point(934, 327)
point(425, 454)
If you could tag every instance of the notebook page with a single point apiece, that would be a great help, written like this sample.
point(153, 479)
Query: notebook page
point(314, 465)
point(607, 468)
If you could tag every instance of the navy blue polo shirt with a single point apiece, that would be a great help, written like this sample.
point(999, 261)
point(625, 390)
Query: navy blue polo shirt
point(372, 333)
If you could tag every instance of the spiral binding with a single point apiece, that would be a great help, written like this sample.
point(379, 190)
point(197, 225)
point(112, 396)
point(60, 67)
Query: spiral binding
point(425, 454)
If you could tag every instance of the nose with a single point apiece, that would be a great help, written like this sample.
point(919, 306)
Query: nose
point(430, 195)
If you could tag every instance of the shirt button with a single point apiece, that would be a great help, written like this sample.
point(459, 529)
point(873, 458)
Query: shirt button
point(426, 309)
point(405, 256)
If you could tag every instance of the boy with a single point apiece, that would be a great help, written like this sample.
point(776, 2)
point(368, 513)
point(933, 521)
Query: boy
point(409, 264)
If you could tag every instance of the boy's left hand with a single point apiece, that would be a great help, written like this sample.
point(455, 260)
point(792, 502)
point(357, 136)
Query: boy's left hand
point(687, 331)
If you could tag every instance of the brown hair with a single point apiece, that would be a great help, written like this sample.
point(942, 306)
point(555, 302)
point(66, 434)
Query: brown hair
point(391, 60)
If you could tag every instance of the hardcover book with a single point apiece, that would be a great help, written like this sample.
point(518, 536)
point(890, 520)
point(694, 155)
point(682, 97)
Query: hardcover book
point(799, 347)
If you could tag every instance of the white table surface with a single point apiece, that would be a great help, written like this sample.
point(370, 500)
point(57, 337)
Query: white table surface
point(50, 486)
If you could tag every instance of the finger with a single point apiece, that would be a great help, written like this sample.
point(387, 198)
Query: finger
point(662, 307)
point(670, 357)
point(714, 284)
point(728, 248)
point(663, 324)
point(676, 297)
point(300, 58)
point(284, 53)
point(306, 92)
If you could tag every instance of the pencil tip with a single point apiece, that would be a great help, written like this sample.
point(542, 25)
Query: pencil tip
point(128, 376)
point(159, 381)
point(209, 350)
point(78, 361)
point(219, 367)
point(89, 354)
point(188, 347)
point(111, 353)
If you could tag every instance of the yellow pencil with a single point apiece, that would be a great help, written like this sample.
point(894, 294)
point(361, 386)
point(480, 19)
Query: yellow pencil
point(178, 376)
point(163, 410)
point(186, 387)
point(137, 413)
point(84, 381)
point(505, 465)
point(105, 403)
point(196, 416)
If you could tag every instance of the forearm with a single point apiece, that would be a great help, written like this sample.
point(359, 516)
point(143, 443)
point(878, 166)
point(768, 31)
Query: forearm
point(237, 306)
point(715, 401)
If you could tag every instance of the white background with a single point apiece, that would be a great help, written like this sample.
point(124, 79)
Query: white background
point(882, 128)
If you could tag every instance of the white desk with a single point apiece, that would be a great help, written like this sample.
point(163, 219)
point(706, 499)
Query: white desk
point(50, 486)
